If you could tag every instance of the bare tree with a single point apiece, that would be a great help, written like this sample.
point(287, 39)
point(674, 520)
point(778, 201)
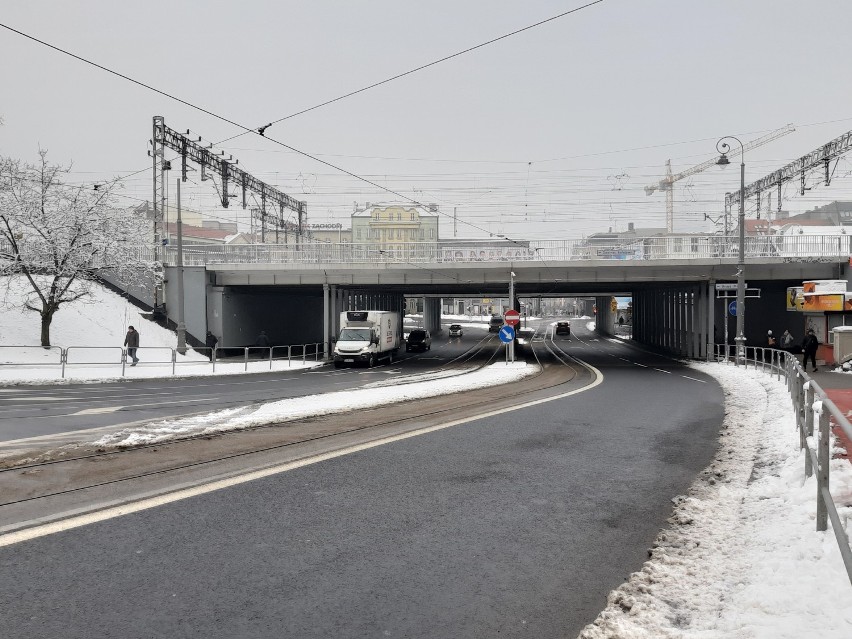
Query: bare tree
point(59, 237)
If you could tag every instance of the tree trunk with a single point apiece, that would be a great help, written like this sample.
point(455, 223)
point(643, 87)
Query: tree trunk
point(46, 319)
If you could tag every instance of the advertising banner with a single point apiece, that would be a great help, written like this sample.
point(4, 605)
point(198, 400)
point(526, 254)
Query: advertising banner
point(822, 303)
point(795, 298)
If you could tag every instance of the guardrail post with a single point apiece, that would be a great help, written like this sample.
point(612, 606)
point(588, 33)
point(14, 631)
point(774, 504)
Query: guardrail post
point(270, 358)
point(63, 359)
point(245, 356)
point(289, 355)
point(808, 429)
point(213, 358)
point(123, 360)
point(174, 360)
point(316, 352)
point(822, 472)
point(304, 353)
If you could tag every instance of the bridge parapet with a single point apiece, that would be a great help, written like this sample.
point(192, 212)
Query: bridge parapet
point(647, 249)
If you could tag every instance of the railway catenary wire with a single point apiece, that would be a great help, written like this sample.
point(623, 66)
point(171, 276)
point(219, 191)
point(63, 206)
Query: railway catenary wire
point(560, 357)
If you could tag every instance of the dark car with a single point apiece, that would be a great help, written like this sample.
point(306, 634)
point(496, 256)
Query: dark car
point(563, 328)
point(455, 330)
point(495, 323)
point(418, 340)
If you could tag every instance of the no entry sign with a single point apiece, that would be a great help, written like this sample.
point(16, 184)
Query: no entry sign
point(512, 317)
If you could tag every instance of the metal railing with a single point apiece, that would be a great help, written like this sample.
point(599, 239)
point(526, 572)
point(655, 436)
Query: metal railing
point(810, 404)
point(663, 247)
point(109, 357)
point(669, 247)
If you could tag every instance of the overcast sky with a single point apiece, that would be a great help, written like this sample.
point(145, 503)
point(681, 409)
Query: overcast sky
point(551, 133)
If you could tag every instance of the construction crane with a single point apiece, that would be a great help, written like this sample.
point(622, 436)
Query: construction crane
point(667, 182)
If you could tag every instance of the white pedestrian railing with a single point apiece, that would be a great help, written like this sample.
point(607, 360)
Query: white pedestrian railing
point(810, 405)
point(107, 359)
point(687, 247)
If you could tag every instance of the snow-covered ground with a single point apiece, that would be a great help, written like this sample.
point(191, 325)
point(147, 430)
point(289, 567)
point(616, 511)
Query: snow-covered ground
point(94, 330)
point(740, 556)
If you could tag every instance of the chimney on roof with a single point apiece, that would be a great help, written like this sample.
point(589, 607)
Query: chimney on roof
point(630, 226)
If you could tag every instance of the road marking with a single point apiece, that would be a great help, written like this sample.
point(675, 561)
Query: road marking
point(77, 521)
point(97, 411)
point(662, 371)
point(694, 379)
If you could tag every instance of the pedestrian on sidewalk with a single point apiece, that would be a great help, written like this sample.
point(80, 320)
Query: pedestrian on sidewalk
point(210, 342)
point(810, 345)
point(770, 343)
point(131, 341)
point(786, 341)
point(262, 340)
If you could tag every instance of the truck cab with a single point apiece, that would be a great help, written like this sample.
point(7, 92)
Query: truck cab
point(366, 337)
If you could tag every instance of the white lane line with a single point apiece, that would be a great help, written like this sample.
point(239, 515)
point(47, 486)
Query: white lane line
point(97, 411)
point(694, 379)
point(662, 371)
point(76, 521)
point(36, 399)
point(642, 365)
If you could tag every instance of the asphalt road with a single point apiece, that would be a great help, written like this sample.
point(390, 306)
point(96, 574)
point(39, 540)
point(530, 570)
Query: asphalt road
point(516, 525)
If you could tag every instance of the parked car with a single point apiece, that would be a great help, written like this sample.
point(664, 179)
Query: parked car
point(495, 323)
point(563, 328)
point(418, 340)
point(455, 330)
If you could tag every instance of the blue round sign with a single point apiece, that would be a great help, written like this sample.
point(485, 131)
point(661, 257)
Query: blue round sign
point(732, 308)
point(506, 334)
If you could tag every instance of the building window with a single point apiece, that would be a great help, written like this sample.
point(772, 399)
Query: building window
point(359, 234)
point(694, 244)
point(431, 234)
point(413, 215)
point(375, 215)
point(678, 244)
point(399, 215)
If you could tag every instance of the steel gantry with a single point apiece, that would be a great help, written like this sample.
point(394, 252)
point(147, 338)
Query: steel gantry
point(226, 169)
point(820, 157)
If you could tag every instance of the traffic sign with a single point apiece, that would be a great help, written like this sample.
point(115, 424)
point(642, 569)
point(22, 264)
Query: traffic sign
point(506, 334)
point(732, 308)
point(512, 317)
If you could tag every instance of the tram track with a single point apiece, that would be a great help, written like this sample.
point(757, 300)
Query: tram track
point(71, 482)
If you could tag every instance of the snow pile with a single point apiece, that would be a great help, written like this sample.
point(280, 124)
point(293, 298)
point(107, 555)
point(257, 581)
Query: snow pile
point(285, 410)
point(741, 557)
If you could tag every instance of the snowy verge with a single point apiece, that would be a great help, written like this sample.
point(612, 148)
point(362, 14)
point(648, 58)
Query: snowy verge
point(741, 556)
point(292, 409)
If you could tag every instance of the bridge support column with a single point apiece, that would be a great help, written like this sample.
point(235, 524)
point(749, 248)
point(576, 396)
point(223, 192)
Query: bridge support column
point(432, 314)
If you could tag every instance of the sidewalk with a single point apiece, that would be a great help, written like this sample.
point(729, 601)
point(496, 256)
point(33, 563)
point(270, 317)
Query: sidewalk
point(838, 387)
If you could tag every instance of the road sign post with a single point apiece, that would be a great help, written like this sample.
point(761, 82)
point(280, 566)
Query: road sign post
point(507, 336)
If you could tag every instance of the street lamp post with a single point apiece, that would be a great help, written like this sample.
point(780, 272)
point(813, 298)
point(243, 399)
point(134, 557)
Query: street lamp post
point(723, 147)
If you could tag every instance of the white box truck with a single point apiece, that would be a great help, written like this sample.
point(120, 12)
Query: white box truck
point(366, 337)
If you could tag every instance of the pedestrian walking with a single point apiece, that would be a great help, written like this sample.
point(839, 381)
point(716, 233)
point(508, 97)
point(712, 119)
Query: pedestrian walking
point(770, 340)
point(262, 340)
point(210, 342)
point(131, 341)
point(809, 346)
point(786, 341)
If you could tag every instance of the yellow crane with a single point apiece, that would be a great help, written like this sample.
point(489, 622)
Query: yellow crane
point(666, 184)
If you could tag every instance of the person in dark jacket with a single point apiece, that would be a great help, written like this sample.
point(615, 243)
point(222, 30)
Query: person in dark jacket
point(262, 340)
point(131, 341)
point(809, 346)
point(210, 342)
